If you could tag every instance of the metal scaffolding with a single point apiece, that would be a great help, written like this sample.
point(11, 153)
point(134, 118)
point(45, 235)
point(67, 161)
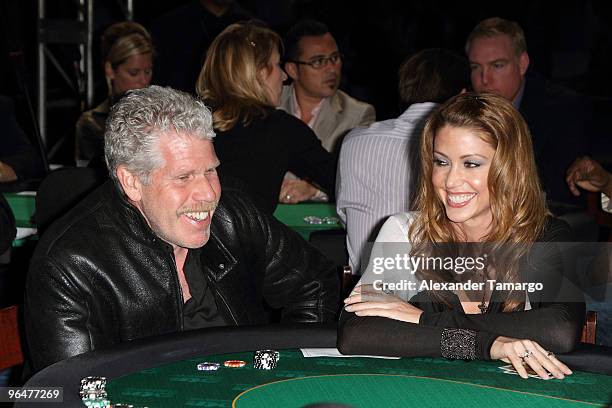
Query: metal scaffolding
point(71, 31)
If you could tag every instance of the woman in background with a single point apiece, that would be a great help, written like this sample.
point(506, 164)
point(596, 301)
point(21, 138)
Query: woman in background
point(127, 55)
point(242, 81)
point(479, 185)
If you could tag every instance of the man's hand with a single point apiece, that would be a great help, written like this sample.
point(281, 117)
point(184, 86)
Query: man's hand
point(521, 353)
point(586, 173)
point(295, 191)
point(366, 301)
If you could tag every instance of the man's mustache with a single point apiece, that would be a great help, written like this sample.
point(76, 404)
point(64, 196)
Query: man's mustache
point(203, 207)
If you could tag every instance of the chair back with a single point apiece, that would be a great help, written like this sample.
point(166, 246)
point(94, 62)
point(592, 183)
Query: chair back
point(10, 341)
point(603, 218)
point(61, 190)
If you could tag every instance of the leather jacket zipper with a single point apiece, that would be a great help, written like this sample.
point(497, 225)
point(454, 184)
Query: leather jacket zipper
point(181, 300)
point(224, 301)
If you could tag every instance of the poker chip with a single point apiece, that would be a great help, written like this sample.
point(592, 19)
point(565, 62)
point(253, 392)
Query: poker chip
point(330, 220)
point(206, 366)
point(92, 394)
point(93, 383)
point(265, 359)
point(97, 403)
point(311, 219)
point(234, 363)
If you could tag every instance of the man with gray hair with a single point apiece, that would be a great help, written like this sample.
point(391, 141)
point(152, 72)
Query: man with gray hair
point(158, 250)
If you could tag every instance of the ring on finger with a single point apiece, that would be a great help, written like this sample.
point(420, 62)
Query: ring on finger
point(527, 354)
point(288, 196)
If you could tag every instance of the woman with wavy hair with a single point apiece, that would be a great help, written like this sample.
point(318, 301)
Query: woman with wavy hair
point(479, 194)
point(242, 82)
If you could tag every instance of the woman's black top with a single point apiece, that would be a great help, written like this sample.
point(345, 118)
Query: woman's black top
point(256, 157)
point(555, 325)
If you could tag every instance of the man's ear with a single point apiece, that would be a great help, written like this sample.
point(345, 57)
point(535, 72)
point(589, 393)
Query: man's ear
point(291, 69)
point(108, 71)
point(523, 63)
point(132, 187)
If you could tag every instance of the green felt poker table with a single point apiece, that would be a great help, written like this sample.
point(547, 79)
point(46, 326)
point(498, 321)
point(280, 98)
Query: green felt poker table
point(23, 206)
point(162, 372)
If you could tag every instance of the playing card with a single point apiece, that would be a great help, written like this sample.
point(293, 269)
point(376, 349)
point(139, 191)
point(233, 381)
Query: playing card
point(509, 369)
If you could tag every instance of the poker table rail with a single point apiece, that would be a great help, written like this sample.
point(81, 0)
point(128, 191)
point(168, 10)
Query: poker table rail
point(147, 353)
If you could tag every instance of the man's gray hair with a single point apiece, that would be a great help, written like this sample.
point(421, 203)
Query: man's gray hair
point(137, 121)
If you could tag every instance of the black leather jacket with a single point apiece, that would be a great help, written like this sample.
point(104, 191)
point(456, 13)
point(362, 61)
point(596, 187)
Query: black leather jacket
point(100, 276)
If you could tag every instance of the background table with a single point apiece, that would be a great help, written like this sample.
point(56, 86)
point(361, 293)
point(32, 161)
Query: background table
point(162, 372)
point(23, 206)
point(293, 216)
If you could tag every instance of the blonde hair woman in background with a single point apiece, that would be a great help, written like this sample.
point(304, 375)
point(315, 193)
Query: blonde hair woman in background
point(127, 56)
point(479, 185)
point(242, 82)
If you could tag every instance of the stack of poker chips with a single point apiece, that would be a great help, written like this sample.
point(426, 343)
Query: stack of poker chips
point(93, 392)
point(266, 359)
point(314, 220)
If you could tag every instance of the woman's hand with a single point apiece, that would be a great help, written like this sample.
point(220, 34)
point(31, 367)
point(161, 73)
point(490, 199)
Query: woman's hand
point(366, 301)
point(522, 353)
point(295, 191)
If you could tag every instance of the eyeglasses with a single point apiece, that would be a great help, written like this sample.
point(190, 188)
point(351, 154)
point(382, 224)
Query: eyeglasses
point(320, 62)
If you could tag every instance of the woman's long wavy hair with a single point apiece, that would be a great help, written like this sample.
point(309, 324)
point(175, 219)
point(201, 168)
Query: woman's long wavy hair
point(230, 81)
point(517, 203)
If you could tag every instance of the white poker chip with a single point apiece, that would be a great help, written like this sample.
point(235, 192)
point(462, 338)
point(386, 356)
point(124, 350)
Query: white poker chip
point(311, 219)
point(330, 220)
point(267, 354)
point(97, 403)
point(206, 366)
point(92, 394)
point(93, 383)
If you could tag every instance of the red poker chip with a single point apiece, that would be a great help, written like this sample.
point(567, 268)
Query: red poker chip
point(234, 363)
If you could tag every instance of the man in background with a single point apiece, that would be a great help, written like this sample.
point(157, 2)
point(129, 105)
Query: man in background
point(557, 118)
point(314, 64)
point(378, 166)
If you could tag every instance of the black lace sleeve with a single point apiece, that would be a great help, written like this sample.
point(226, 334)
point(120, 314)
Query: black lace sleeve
point(555, 326)
point(387, 337)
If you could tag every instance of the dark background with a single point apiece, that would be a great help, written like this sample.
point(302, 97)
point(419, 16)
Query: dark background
point(569, 42)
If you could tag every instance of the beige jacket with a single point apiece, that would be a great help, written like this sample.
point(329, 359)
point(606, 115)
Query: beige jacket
point(338, 115)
